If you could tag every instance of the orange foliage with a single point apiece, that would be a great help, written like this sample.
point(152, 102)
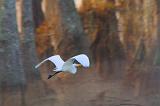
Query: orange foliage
point(42, 38)
point(101, 6)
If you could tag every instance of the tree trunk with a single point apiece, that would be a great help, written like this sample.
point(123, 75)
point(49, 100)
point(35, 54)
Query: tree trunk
point(11, 66)
point(34, 87)
point(28, 42)
point(11, 70)
point(100, 23)
point(67, 35)
point(136, 24)
point(138, 31)
point(37, 12)
point(157, 57)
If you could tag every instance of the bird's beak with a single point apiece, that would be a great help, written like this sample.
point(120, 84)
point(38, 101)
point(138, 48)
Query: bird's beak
point(78, 65)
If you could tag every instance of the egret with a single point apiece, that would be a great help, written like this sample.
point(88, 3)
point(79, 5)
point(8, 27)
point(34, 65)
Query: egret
point(68, 66)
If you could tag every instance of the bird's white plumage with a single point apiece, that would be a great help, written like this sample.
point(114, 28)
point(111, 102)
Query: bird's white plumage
point(57, 60)
point(69, 65)
point(82, 59)
point(73, 69)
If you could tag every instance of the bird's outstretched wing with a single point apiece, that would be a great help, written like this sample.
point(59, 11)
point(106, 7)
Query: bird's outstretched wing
point(57, 60)
point(82, 59)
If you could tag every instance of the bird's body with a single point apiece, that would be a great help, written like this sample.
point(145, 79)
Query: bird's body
point(68, 66)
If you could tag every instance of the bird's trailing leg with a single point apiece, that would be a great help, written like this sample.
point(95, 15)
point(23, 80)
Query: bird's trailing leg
point(49, 76)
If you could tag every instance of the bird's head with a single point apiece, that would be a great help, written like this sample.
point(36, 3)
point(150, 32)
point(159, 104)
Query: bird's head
point(76, 63)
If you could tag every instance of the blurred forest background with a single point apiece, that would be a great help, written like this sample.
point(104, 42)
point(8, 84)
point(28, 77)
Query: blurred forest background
point(121, 37)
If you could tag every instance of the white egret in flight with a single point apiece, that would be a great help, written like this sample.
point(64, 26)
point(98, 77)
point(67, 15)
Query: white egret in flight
point(68, 66)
